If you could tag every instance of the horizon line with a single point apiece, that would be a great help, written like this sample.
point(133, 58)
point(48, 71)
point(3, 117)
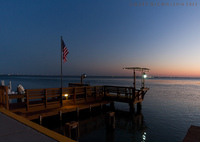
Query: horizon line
point(57, 75)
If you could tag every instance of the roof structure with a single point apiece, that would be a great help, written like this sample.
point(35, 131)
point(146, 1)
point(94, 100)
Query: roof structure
point(143, 70)
point(137, 69)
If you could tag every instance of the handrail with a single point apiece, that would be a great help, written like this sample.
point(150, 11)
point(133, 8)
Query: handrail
point(51, 97)
point(4, 101)
point(46, 95)
point(117, 90)
point(120, 87)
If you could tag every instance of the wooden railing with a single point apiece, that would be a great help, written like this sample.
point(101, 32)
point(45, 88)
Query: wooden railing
point(77, 93)
point(38, 99)
point(42, 97)
point(57, 97)
point(128, 93)
point(4, 101)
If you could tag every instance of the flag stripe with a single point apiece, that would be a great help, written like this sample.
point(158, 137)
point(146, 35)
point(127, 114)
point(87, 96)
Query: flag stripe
point(65, 52)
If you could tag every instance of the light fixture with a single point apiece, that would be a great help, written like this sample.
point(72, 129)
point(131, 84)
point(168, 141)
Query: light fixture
point(82, 76)
point(144, 75)
point(65, 96)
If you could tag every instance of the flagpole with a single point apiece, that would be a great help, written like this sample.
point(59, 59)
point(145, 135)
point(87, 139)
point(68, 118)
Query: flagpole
point(61, 61)
point(61, 75)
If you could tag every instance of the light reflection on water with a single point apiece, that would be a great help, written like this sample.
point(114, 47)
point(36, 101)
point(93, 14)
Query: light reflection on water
point(169, 107)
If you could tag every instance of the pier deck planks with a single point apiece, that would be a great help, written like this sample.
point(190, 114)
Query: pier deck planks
point(33, 114)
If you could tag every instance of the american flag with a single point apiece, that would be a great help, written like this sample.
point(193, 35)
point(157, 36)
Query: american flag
point(65, 51)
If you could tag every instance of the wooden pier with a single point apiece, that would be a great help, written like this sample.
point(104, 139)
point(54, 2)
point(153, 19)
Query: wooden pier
point(125, 94)
point(39, 103)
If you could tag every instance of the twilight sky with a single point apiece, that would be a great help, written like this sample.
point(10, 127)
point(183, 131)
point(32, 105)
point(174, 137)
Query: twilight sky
point(102, 36)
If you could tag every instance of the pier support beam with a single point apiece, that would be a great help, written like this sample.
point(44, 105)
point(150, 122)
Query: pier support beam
point(112, 105)
point(110, 120)
point(72, 130)
point(77, 111)
point(139, 107)
point(90, 108)
point(60, 113)
point(101, 106)
point(132, 106)
point(40, 118)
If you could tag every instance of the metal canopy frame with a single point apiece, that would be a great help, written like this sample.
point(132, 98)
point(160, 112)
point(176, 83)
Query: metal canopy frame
point(143, 70)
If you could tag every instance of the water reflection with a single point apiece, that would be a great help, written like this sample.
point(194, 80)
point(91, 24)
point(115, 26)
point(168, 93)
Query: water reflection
point(129, 126)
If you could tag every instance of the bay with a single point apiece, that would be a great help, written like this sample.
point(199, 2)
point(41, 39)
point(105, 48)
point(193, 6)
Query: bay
point(169, 108)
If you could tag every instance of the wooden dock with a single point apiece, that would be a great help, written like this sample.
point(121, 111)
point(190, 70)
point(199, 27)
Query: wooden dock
point(125, 94)
point(39, 103)
point(17, 128)
point(192, 134)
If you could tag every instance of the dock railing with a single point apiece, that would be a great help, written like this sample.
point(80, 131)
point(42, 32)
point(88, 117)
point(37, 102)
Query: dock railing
point(83, 93)
point(124, 94)
point(39, 99)
point(4, 100)
point(51, 97)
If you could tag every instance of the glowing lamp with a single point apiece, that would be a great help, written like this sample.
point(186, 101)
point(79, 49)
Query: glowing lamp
point(65, 96)
point(144, 75)
point(82, 76)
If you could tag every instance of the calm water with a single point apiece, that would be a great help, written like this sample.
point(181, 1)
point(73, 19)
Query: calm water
point(169, 108)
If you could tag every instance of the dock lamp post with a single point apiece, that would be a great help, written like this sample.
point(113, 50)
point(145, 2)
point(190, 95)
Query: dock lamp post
point(144, 76)
point(82, 76)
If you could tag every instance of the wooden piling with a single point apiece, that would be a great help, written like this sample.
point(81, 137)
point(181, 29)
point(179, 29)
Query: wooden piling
point(40, 118)
point(139, 106)
point(77, 111)
point(60, 114)
point(90, 108)
point(110, 120)
point(74, 94)
point(112, 104)
point(132, 106)
point(27, 101)
point(72, 126)
point(85, 94)
point(45, 90)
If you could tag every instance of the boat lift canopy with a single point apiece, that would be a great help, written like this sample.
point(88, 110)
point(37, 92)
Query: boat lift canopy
point(143, 70)
point(137, 69)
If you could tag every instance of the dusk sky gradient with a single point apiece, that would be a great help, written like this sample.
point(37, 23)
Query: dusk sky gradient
point(102, 37)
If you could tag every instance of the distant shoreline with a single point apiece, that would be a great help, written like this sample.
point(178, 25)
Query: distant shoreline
point(95, 76)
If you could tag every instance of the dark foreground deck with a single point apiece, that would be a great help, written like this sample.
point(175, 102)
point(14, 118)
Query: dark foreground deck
point(192, 134)
point(17, 128)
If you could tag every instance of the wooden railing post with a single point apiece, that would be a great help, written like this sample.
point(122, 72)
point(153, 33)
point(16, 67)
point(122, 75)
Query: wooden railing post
point(7, 99)
point(45, 97)
point(125, 90)
point(133, 94)
point(61, 97)
point(85, 94)
point(118, 94)
point(104, 91)
point(1, 95)
point(74, 94)
point(139, 95)
point(27, 101)
point(95, 92)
